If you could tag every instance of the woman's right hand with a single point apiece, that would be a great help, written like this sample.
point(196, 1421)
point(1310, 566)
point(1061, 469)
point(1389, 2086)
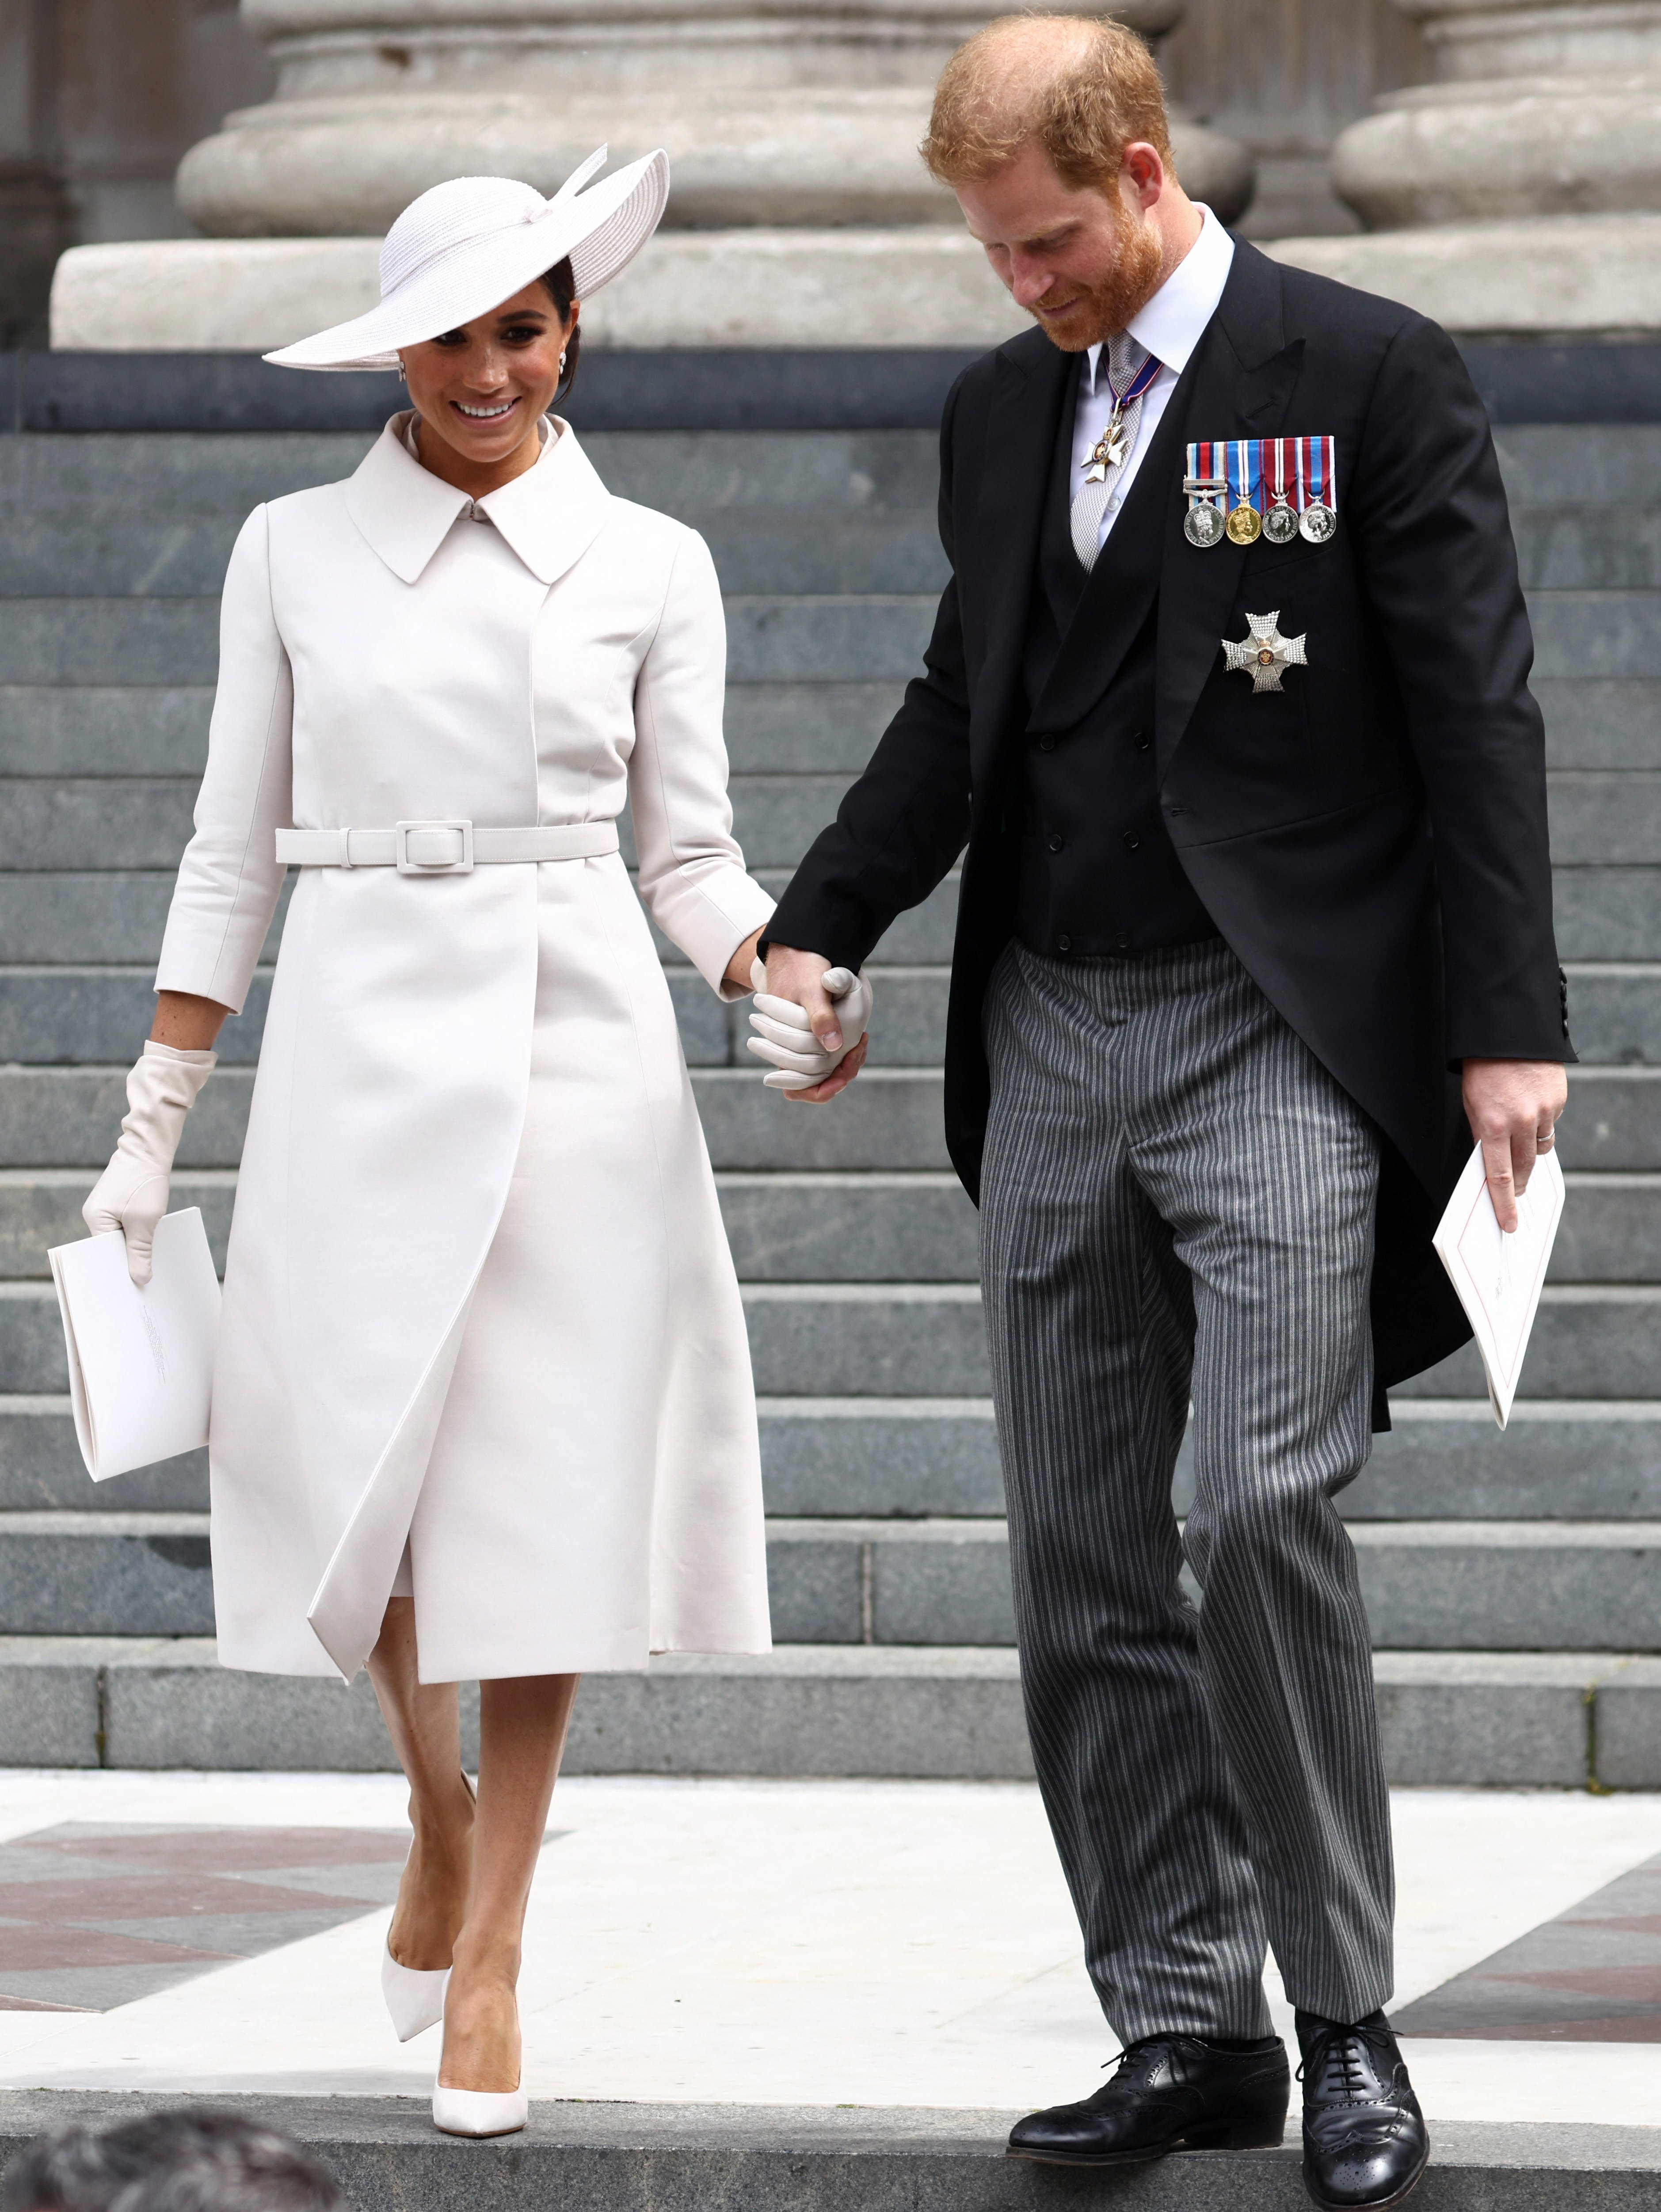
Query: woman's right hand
point(132, 1193)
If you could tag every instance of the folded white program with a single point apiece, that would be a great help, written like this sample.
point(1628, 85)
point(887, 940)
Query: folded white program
point(141, 1362)
point(1500, 1277)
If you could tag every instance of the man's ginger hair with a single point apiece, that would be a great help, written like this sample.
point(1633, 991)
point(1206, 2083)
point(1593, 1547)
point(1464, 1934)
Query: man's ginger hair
point(1084, 109)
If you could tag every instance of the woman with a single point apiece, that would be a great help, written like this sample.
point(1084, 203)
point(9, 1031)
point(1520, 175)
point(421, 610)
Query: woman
point(483, 1405)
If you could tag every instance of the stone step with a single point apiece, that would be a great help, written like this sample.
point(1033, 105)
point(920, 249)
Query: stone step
point(869, 1227)
point(912, 1458)
point(891, 1118)
point(1430, 1585)
point(900, 1340)
point(858, 638)
point(55, 1016)
point(1607, 635)
point(59, 823)
point(1589, 1340)
point(678, 2158)
point(1575, 548)
point(1498, 1718)
point(100, 554)
point(59, 1015)
point(1605, 913)
point(1580, 465)
point(787, 727)
point(96, 552)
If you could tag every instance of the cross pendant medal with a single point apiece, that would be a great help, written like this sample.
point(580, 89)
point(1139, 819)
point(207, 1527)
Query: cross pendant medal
point(1110, 450)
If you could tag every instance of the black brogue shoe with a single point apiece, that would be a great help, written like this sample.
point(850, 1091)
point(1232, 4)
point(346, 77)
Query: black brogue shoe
point(1364, 2140)
point(1168, 2092)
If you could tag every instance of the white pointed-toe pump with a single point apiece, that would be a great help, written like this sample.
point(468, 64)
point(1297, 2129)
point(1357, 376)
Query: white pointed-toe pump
point(414, 1995)
point(479, 2111)
point(415, 1998)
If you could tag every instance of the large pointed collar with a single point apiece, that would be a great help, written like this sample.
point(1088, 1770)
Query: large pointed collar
point(549, 516)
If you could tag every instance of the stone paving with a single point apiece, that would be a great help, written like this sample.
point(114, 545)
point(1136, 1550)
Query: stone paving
point(756, 1943)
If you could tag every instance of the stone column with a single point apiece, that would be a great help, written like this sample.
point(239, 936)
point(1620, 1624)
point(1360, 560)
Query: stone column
point(800, 214)
point(1519, 192)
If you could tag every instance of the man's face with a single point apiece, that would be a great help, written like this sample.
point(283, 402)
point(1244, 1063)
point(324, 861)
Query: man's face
point(1082, 262)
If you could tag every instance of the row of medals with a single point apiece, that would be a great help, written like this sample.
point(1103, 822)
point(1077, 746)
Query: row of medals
point(1205, 523)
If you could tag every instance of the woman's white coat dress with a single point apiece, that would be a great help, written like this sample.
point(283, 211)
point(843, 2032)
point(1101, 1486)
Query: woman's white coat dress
point(478, 1301)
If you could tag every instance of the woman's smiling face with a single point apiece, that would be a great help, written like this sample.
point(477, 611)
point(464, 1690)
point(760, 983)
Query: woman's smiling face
point(482, 389)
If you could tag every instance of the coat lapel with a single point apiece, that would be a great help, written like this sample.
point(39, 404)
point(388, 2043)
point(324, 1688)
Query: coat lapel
point(549, 516)
point(1240, 383)
point(1031, 379)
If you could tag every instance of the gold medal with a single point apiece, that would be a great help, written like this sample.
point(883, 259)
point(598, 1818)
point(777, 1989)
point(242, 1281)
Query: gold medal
point(1244, 525)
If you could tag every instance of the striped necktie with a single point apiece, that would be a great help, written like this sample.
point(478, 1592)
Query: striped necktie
point(1125, 361)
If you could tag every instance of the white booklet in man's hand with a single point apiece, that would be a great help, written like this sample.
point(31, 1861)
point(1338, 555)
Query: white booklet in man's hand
point(141, 1362)
point(1500, 1277)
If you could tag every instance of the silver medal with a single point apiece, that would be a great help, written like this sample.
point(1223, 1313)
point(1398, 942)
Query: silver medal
point(1202, 525)
point(1280, 524)
point(1318, 522)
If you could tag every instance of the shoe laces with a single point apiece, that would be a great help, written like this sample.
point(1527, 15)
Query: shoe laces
point(1343, 2062)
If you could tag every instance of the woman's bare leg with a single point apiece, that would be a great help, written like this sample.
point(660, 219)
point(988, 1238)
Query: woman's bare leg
point(424, 1723)
point(522, 1727)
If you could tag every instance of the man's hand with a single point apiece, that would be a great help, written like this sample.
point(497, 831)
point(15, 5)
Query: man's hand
point(798, 977)
point(1513, 1107)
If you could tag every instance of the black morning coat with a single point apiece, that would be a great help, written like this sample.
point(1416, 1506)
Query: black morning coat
point(1371, 843)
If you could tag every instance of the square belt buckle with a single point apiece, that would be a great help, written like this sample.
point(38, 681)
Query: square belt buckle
point(408, 865)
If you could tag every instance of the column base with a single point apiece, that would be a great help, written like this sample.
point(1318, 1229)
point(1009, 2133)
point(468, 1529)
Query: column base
point(1574, 276)
point(922, 286)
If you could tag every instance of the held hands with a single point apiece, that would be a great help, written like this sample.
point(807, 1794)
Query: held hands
point(1513, 1106)
point(802, 1026)
point(132, 1193)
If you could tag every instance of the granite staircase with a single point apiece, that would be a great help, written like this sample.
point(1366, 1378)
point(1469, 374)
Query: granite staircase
point(1514, 1581)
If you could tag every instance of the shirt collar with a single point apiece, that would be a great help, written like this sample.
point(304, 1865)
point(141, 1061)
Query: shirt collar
point(1172, 323)
point(549, 516)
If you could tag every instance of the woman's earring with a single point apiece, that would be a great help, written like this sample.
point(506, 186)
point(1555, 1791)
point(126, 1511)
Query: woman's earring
point(402, 378)
point(562, 364)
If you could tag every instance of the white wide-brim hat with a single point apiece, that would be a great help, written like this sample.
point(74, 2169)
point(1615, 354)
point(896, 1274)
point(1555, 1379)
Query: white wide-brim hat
point(464, 247)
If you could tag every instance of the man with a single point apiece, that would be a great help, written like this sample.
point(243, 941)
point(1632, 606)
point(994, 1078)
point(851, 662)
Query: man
point(1226, 698)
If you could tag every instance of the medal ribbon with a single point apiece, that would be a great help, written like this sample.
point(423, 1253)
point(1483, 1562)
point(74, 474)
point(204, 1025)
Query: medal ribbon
point(1245, 471)
point(1139, 383)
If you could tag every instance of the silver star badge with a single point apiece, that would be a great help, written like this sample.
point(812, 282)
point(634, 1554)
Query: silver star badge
point(1265, 653)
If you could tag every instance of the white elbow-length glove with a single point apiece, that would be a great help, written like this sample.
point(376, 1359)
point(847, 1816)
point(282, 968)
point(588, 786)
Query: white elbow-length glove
point(784, 1036)
point(132, 1193)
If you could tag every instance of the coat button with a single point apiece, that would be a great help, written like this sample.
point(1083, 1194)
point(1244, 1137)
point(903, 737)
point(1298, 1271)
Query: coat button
point(1056, 844)
point(1123, 943)
point(1132, 842)
point(1046, 744)
point(1140, 740)
point(1063, 944)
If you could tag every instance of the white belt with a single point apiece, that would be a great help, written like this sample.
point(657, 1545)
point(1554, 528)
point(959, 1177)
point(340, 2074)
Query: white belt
point(451, 847)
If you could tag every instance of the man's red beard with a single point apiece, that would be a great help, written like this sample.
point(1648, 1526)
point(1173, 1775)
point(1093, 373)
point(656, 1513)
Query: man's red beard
point(1103, 309)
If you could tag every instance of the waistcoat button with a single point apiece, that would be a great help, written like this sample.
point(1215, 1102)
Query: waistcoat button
point(1131, 841)
point(1056, 844)
point(1046, 744)
point(1063, 944)
point(1140, 740)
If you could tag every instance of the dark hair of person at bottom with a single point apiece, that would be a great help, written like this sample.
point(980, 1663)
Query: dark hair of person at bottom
point(172, 2161)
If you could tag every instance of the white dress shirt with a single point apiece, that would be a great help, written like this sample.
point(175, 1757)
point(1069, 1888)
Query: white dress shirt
point(1170, 327)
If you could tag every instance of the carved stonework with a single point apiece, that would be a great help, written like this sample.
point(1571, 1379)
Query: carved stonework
point(796, 115)
point(1519, 192)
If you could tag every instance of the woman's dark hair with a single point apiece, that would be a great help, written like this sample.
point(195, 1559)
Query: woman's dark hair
point(191, 2160)
point(561, 285)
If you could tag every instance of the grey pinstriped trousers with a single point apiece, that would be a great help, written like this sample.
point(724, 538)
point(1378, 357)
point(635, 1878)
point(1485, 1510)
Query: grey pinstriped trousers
point(1177, 1196)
